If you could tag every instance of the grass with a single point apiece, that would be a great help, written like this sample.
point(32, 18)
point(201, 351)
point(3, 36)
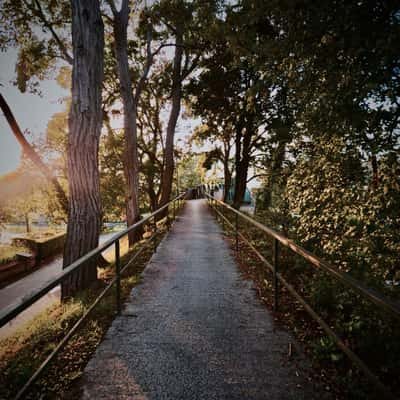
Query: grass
point(21, 354)
point(9, 253)
point(14, 228)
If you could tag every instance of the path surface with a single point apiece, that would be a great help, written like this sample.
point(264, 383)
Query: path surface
point(194, 329)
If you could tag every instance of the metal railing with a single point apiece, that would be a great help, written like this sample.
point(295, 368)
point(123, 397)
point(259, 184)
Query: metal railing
point(279, 239)
point(10, 312)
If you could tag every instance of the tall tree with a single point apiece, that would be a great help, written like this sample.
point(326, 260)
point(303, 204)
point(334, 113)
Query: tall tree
point(130, 94)
point(131, 163)
point(85, 121)
point(187, 23)
point(176, 96)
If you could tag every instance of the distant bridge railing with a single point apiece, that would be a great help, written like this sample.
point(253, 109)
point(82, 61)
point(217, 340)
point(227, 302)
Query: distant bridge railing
point(221, 208)
point(12, 311)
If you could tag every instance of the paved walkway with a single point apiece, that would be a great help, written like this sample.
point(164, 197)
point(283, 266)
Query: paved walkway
point(194, 329)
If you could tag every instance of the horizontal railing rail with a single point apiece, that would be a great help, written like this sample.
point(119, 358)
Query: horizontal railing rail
point(368, 293)
point(9, 313)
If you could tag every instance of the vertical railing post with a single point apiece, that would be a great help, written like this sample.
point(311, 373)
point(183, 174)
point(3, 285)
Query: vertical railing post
point(237, 231)
point(276, 267)
point(222, 217)
point(168, 219)
point(173, 210)
point(118, 275)
point(154, 234)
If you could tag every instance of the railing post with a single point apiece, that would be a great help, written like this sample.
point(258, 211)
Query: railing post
point(173, 209)
point(118, 275)
point(276, 266)
point(222, 217)
point(237, 231)
point(168, 220)
point(154, 232)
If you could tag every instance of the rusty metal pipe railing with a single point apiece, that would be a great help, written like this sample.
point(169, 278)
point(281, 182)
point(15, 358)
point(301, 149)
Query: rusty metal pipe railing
point(368, 293)
point(15, 309)
point(10, 312)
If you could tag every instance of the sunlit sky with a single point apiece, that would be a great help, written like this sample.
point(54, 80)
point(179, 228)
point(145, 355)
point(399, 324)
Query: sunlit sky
point(30, 110)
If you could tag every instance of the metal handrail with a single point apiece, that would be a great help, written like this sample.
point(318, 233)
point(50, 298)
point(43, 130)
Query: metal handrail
point(368, 293)
point(10, 312)
point(15, 309)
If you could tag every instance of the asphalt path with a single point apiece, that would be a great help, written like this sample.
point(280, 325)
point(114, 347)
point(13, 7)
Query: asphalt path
point(194, 329)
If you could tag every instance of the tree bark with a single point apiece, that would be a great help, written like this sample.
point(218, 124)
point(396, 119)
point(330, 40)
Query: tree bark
point(131, 159)
point(240, 183)
point(375, 174)
point(176, 94)
point(85, 121)
point(227, 177)
point(31, 153)
point(27, 225)
point(242, 161)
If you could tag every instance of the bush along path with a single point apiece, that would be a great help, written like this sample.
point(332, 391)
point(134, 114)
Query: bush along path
point(371, 333)
point(194, 329)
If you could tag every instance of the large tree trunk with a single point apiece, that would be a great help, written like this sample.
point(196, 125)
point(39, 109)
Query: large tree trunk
point(168, 171)
point(227, 179)
point(242, 161)
point(85, 120)
point(375, 174)
point(131, 159)
point(31, 153)
point(27, 225)
point(240, 183)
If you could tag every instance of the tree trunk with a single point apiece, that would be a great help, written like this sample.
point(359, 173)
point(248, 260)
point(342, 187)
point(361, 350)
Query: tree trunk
point(240, 183)
point(375, 175)
point(131, 159)
point(168, 171)
point(31, 153)
point(242, 161)
point(28, 228)
point(227, 180)
point(85, 121)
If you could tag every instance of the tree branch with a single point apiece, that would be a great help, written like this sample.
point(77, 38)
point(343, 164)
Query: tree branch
point(31, 153)
point(49, 26)
point(256, 176)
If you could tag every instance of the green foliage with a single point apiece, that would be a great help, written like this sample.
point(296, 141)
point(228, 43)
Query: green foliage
point(340, 216)
point(40, 30)
point(34, 61)
point(112, 181)
point(191, 171)
point(9, 253)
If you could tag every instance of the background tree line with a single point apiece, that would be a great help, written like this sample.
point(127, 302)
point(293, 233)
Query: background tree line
point(303, 96)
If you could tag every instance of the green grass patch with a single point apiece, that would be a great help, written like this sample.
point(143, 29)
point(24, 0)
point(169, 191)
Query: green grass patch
point(9, 253)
